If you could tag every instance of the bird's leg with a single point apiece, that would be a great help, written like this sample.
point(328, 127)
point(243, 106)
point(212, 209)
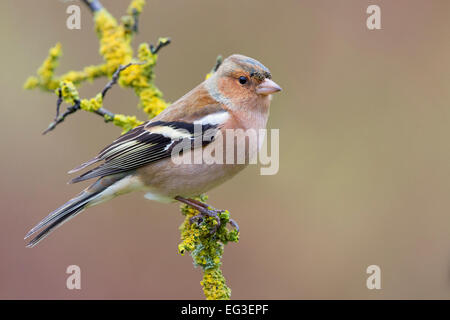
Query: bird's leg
point(205, 210)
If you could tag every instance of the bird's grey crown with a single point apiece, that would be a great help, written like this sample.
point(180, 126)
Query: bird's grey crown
point(252, 66)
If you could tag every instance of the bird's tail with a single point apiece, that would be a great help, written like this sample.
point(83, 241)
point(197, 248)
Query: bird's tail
point(92, 195)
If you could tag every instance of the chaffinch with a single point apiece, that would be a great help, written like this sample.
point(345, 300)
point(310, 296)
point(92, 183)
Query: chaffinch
point(236, 96)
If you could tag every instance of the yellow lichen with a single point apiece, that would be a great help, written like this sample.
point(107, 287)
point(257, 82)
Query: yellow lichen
point(68, 92)
point(126, 122)
point(135, 5)
point(206, 249)
point(115, 42)
point(116, 50)
point(31, 83)
point(214, 286)
point(151, 101)
point(93, 104)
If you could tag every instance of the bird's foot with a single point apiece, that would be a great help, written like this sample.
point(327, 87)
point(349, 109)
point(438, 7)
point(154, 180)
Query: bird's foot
point(234, 224)
point(206, 211)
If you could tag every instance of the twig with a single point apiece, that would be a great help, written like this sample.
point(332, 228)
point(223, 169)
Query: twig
point(161, 44)
point(72, 109)
point(136, 21)
point(61, 118)
point(58, 103)
point(115, 77)
point(104, 112)
point(219, 61)
point(94, 5)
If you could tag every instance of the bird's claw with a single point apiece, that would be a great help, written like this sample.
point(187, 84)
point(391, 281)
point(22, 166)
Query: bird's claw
point(234, 224)
point(230, 221)
point(198, 217)
point(211, 212)
point(207, 213)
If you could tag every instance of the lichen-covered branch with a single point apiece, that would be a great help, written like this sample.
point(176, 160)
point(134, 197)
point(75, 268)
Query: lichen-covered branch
point(116, 51)
point(69, 94)
point(135, 72)
point(206, 249)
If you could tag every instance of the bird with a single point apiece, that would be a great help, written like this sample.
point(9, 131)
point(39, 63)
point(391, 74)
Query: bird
point(236, 97)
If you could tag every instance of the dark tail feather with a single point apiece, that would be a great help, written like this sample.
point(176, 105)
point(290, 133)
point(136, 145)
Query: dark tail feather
point(84, 165)
point(71, 208)
point(58, 217)
point(86, 176)
point(58, 222)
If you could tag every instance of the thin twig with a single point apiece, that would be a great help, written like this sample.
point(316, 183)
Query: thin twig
point(161, 44)
point(61, 118)
point(219, 61)
point(94, 5)
point(58, 103)
point(104, 112)
point(115, 77)
point(101, 111)
point(136, 21)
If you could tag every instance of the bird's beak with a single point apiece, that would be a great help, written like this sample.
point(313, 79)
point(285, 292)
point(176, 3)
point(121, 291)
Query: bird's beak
point(267, 87)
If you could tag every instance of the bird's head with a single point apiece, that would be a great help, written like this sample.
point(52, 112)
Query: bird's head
point(240, 80)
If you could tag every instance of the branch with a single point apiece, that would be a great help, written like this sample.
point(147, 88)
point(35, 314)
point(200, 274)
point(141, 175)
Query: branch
point(219, 61)
point(135, 16)
point(162, 42)
point(207, 249)
point(115, 77)
point(59, 119)
point(72, 95)
point(94, 5)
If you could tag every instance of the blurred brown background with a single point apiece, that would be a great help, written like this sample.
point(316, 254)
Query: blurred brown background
point(364, 158)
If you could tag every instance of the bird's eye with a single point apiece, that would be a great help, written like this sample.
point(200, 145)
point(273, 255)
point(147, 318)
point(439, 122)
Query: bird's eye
point(243, 80)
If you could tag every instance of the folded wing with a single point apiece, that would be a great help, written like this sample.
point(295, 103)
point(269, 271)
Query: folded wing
point(147, 143)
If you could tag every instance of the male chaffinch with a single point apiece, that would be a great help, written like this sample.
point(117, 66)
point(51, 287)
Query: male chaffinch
point(236, 96)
